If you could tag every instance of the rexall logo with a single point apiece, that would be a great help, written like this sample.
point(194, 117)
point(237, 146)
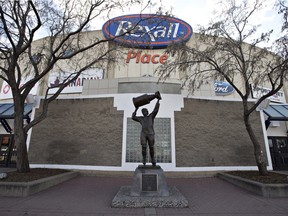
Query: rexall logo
point(223, 88)
point(147, 30)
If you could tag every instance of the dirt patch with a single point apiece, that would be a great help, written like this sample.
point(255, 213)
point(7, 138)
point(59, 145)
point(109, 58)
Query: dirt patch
point(271, 178)
point(39, 173)
point(34, 174)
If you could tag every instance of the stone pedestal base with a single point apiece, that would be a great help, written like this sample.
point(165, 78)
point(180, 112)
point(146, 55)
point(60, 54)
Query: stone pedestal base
point(149, 189)
point(149, 181)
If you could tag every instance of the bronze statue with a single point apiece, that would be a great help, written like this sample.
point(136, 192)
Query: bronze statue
point(147, 123)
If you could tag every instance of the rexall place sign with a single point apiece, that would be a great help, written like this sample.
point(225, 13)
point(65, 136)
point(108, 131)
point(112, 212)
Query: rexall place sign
point(147, 30)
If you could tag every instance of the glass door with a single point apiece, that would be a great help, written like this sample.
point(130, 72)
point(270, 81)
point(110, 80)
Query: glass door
point(7, 150)
point(279, 152)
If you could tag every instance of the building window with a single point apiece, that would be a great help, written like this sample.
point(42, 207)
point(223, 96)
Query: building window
point(162, 127)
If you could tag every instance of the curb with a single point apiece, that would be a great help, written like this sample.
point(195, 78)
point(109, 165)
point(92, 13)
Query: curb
point(265, 190)
point(24, 189)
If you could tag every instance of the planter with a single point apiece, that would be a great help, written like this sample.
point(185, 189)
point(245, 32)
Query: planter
point(265, 190)
point(24, 189)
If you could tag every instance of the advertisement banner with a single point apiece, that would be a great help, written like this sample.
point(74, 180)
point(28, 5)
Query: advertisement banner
point(258, 91)
point(55, 78)
point(6, 92)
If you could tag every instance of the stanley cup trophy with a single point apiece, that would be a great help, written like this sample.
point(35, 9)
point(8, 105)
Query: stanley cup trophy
point(147, 123)
point(145, 99)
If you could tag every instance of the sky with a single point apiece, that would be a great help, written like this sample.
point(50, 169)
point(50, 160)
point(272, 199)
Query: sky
point(199, 12)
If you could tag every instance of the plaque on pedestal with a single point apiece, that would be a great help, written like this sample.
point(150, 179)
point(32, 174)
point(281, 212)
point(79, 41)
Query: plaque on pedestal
point(149, 181)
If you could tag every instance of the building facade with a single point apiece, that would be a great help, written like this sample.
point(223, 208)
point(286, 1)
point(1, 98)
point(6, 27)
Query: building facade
point(89, 126)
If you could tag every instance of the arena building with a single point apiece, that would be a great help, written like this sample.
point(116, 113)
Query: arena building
point(89, 127)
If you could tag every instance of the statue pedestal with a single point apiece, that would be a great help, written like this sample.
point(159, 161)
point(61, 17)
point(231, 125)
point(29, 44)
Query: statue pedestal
point(149, 190)
point(149, 181)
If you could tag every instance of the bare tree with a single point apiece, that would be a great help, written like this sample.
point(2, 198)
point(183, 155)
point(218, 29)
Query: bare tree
point(283, 9)
point(22, 58)
point(221, 52)
point(282, 43)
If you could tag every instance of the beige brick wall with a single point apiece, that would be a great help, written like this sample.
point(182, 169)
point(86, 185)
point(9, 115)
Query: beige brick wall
point(89, 132)
point(212, 133)
point(79, 132)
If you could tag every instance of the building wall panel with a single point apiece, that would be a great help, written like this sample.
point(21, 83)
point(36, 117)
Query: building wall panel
point(79, 132)
point(212, 133)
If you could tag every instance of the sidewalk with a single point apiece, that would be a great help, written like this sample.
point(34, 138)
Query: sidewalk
point(91, 195)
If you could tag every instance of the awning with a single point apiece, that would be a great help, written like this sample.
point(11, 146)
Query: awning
point(7, 112)
point(277, 112)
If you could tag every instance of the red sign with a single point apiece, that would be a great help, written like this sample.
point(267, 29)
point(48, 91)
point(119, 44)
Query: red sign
point(145, 58)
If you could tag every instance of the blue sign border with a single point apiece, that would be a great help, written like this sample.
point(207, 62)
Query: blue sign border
point(110, 27)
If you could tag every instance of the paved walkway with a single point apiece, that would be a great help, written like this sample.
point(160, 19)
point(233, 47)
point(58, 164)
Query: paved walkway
point(87, 196)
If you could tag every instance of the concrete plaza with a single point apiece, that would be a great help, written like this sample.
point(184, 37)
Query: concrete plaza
point(92, 195)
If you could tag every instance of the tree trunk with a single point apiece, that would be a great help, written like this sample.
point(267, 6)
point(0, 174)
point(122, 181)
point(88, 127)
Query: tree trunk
point(258, 153)
point(20, 138)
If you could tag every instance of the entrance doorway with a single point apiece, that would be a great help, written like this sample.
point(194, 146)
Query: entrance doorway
point(279, 152)
point(7, 150)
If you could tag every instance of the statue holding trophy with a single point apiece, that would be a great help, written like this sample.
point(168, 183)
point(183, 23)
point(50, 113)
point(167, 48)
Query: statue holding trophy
point(147, 122)
point(149, 188)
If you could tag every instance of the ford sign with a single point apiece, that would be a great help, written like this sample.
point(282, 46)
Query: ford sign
point(147, 30)
point(223, 88)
